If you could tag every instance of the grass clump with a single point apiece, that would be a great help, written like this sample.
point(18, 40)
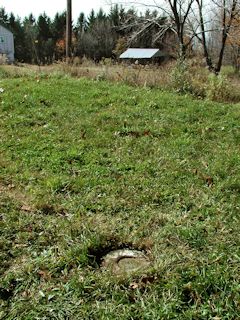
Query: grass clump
point(180, 77)
point(217, 88)
point(90, 166)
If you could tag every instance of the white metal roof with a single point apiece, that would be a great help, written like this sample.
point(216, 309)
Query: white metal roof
point(137, 53)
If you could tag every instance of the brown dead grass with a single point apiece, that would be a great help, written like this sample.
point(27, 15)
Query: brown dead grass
point(20, 197)
point(153, 76)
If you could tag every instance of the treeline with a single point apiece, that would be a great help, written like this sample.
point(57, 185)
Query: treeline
point(181, 29)
point(41, 40)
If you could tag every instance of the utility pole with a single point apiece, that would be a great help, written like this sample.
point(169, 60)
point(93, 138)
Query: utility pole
point(69, 29)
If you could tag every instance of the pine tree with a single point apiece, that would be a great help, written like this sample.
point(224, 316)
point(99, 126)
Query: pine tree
point(45, 45)
point(59, 26)
point(15, 25)
point(30, 31)
point(81, 26)
point(4, 21)
point(114, 16)
point(101, 15)
point(91, 19)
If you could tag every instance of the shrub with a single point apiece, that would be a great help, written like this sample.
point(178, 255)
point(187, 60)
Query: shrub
point(217, 88)
point(180, 77)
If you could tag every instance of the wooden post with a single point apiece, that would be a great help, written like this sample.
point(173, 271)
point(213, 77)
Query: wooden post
point(69, 30)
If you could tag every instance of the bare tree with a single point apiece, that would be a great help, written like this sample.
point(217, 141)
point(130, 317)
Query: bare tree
point(227, 10)
point(179, 14)
point(182, 12)
point(175, 17)
point(232, 54)
point(189, 20)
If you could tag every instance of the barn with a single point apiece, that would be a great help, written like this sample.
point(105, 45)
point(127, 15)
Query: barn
point(143, 55)
point(6, 44)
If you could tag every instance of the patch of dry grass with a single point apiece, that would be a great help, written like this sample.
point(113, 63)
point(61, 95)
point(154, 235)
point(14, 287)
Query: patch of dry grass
point(201, 84)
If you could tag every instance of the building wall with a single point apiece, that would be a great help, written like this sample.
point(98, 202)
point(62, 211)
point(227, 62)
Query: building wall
point(6, 43)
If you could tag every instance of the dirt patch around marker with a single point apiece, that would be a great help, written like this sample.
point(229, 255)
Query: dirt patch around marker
point(118, 257)
point(125, 261)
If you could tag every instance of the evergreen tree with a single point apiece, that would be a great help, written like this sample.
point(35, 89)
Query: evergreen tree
point(59, 26)
point(81, 26)
point(30, 30)
point(114, 15)
point(45, 45)
point(3, 17)
point(91, 19)
point(15, 25)
point(44, 27)
point(101, 15)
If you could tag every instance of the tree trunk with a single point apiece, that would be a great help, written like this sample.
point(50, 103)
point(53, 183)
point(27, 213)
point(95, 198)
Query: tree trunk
point(203, 37)
point(225, 31)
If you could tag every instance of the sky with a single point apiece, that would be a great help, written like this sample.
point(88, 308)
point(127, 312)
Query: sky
point(23, 8)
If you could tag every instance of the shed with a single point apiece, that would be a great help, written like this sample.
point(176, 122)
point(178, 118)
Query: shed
point(6, 44)
point(138, 53)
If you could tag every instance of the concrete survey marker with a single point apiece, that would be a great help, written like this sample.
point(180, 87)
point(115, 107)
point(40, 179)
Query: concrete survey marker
point(125, 261)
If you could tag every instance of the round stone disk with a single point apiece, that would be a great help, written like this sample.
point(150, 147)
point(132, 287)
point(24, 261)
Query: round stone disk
point(125, 261)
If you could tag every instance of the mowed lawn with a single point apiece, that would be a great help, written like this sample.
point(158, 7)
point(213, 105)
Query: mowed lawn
point(89, 166)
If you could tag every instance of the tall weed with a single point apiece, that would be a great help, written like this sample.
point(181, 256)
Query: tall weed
point(217, 88)
point(180, 77)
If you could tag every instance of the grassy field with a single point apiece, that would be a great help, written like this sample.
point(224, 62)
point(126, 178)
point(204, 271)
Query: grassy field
point(89, 166)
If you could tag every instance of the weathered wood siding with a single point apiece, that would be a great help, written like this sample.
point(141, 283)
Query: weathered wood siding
point(6, 43)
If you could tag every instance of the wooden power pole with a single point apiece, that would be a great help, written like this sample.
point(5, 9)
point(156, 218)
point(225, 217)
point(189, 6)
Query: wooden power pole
point(69, 29)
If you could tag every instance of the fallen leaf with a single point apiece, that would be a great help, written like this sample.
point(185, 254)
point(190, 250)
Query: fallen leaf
point(146, 133)
point(133, 285)
point(148, 279)
point(209, 181)
point(45, 275)
point(26, 208)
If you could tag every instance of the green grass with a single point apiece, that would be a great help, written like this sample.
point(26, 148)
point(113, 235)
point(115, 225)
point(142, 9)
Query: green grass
point(86, 167)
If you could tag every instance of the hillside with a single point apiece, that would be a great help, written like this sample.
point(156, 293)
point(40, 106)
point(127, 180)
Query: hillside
point(90, 166)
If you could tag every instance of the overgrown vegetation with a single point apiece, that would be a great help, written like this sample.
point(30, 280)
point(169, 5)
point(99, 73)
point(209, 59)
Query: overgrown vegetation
point(88, 166)
point(187, 77)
